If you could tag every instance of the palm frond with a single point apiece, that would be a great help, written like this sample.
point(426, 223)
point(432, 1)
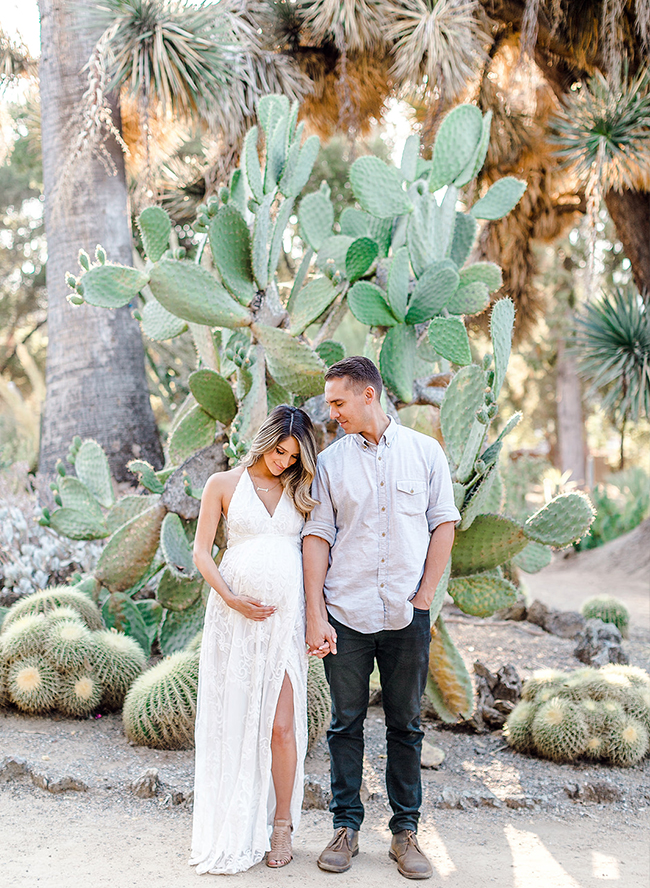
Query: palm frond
point(357, 22)
point(604, 131)
point(168, 52)
point(441, 40)
point(612, 343)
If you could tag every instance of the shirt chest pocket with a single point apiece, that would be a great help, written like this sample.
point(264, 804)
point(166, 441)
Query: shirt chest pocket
point(411, 497)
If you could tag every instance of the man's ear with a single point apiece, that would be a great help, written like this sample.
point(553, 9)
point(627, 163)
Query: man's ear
point(369, 394)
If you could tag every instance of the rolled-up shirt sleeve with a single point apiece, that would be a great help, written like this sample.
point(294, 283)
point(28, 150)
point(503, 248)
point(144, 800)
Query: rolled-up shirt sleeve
point(321, 522)
point(441, 492)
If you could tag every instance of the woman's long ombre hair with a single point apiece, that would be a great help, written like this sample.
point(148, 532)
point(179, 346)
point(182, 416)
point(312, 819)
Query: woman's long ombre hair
point(289, 422)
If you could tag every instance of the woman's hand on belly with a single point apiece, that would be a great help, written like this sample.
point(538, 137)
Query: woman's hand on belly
point(251, 608)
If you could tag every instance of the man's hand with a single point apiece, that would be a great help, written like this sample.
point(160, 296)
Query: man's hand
point(321, 638)
point(419, 601)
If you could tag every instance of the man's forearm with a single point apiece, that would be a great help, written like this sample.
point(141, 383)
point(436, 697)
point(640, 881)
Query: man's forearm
point(315, 559)
point(442, 539)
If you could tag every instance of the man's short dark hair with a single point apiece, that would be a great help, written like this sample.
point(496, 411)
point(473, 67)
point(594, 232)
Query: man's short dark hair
point(360, 371)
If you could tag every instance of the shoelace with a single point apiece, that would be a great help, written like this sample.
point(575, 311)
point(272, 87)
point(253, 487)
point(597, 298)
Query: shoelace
point(340, 839)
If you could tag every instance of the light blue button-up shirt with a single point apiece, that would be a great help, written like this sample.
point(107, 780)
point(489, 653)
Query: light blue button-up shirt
point(378, 504)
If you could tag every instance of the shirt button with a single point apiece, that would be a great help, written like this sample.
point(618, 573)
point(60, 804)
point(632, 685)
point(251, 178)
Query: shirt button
point(383, 508)
point(382, 560)
point(381, 585)
point(379, 458)
point(381, 483)
point(383, 534)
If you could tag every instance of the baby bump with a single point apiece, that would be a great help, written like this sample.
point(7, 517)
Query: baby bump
point(268, 569)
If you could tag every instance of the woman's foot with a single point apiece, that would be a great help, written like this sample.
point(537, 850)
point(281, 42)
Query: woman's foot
point(280, 853)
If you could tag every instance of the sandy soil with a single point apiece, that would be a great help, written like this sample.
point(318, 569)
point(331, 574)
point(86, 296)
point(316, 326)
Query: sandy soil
point(489, 815)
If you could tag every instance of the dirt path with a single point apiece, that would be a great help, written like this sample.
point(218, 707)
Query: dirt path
point(48, 842)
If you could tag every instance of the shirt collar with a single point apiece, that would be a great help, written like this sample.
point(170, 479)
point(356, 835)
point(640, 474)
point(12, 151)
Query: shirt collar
point(388, 437)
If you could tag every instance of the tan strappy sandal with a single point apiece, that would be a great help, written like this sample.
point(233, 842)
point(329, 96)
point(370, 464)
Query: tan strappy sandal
point(280, 853)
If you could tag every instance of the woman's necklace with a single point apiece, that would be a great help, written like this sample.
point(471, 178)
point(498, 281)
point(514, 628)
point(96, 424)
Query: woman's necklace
point(264, 489)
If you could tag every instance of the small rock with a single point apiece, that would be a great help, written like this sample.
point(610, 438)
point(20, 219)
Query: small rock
point(537, 613)
point(317, 793)
point(449, 798)
point(147, 785)
point(516, 611)
point(432, 756)
point(66, 784)
point(520, 801)
point(478, 799)
point(13, 768)
point(173, 797)
point(600, 643)
point(564, 624)
point(594, 791)
point(40, 780)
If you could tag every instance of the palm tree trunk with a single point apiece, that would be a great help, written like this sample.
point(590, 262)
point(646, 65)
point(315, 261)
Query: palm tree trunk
point(95, 376)
point(630, 213)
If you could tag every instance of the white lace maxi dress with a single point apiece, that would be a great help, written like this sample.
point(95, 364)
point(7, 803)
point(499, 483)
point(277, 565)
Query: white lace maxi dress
point(242, 667)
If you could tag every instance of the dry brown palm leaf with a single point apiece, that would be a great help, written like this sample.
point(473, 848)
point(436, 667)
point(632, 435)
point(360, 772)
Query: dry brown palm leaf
point(367, 86)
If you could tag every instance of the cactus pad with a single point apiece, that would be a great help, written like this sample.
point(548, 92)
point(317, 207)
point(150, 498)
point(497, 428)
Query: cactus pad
point(491, 540)
point(230, 243)
point(449, 687)
point(354, 222)
point(146, 475)
point(176, 548)
point(177, 629)
point(361, 253)
point(533, 558)
point(330, 351)
point(310, 303)
point(316, 217)
point(194, 430)
point(75, 495)
point(77, 525)
point(178, 594)
point(192, 293)
point(562, 521)
point(92, 469)
point(160, 707)
point(464, 396)
point(449, 338)
point(481, 595)
point(291, 363)
point(368, 304)
point(296, 175)
point(112, 286)
point(214, 394)
point(397, 361)
point(469, 299)
point(126, 508)
point(398, 283)
point(139, 537)
point(456, 143)
point(433, 291)
point(501, 197)
point(486, 272)
point(378, 188)
point(502, 322)
point(155, 228)
point(251, 165)
point(159, 324)
point(463, 238)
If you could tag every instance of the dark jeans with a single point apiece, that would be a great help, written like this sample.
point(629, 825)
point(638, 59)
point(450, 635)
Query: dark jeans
point(403, 660)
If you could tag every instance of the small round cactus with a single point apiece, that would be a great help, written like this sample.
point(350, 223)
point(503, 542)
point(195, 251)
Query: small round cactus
point(25, 637)
point(609, 610)
point(160, 707)
point(49, 599)
point(4, 693)
point(628, 743)
point(319, 702)
point(195, 644)
point(118, 660)
point(559, 730)
point(33, 684)
point(63, 613)
point(518, 726)
point(80, 693)
point(69, 645)
point(543, 681)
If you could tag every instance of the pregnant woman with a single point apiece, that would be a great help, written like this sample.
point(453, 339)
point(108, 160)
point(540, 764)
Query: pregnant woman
point(251, 723)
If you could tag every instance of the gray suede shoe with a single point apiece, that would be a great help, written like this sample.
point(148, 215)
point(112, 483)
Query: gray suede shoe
point(337, 856)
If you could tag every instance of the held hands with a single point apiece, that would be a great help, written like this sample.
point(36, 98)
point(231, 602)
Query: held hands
point(321, 638)
point(251, 608)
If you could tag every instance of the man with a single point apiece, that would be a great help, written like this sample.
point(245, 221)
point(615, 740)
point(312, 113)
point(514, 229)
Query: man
point(374, 550)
